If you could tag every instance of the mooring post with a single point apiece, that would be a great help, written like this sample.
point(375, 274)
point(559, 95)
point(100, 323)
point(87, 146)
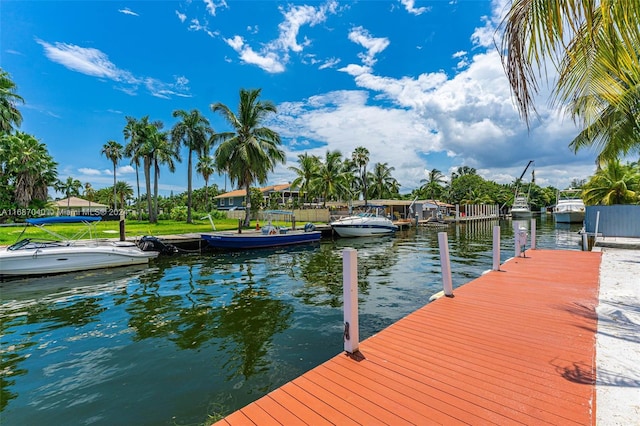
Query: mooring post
point(595, 235)
point(123, 234)
point(533, 234)
point(350, 293)
point(445, 264)
point(496, 248)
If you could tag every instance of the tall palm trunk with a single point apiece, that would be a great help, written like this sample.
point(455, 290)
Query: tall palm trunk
point(156, 172)
point(189, 220)
point(115, 198)
point(138, 198)
point(206, 194)
point(247, 212)
point(147, 178)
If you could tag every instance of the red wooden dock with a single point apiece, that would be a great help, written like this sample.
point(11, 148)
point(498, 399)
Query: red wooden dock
point(515, 346)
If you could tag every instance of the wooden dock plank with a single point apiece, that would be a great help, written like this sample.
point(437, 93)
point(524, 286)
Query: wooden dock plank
point(515, 346)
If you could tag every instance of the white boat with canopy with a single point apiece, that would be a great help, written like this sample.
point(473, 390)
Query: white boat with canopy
point(569, 207)
point(364, 225)
point(36, 256)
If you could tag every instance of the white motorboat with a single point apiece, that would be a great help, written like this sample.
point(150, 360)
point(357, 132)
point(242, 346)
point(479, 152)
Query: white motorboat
point(569, 207)
point(520, 208)
point(363, 225)
point(32, 256)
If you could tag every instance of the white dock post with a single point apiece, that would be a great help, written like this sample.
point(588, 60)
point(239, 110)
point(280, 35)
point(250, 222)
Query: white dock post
point(585, 243)
point(496, 248)
point(350, 293)
point(533, 234)
point(445, 264)
point(516, 240)
point(595, 235)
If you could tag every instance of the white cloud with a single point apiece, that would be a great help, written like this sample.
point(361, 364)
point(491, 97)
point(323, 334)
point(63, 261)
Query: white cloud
point(373, 45)
point(93, 62)
point(89, 172)
point(181, 16)
point(268, 61)
point(329, 63)
point(213, 6)
point(128, 11)
point(344, 120)
point(195, 25)
point(409, 5)
point(469, 117)
point(274, 55)
point(125, 170)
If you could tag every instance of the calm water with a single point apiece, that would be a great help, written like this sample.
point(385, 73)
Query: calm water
point(196, 336)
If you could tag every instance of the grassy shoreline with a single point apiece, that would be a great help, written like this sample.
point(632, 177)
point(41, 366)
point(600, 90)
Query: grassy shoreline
point(111, 229)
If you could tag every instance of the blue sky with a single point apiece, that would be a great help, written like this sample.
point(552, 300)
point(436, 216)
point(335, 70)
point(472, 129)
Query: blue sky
point(419, 83)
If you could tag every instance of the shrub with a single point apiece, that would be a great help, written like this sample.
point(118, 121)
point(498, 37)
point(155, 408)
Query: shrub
point(179, 213)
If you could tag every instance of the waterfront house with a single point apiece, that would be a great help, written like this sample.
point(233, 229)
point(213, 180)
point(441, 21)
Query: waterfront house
point(235, 199)
point(75, 206)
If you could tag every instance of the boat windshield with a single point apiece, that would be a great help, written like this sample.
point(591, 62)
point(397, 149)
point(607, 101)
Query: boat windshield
point(20, 244)
point(30, 244)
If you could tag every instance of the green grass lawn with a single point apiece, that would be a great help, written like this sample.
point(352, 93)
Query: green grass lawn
point(111, 229)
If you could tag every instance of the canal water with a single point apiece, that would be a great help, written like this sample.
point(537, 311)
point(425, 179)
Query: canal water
point(192, 338)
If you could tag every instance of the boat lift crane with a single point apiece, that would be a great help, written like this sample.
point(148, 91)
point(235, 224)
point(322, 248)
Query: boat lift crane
point(518, 182)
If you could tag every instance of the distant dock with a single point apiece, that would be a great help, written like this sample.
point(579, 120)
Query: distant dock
point(515, 346)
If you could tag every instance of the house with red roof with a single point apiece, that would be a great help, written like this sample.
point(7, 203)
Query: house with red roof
point(235, 199)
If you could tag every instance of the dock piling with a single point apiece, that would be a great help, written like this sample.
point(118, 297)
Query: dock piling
point(350, 293)
point(496, 248)
point(445, 264)
point(533, 234)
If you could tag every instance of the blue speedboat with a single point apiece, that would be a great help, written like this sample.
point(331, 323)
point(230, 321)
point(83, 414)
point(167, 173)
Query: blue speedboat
point(269, 236)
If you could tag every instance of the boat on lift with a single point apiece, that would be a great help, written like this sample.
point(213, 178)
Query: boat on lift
point(36, 256)
point(521, 208)
point(569, 206)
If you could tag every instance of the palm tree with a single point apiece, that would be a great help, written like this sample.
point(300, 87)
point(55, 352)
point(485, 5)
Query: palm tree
point(593, 45)
point(433, 184)
point(206, 167)
point(251, 151)
point(192, 131)
point(113, 151)
point(614, 184)
point(360, 158)
point(143, 134)
point(132, 131)
point(330, 178)
point(463, 171)
point(89, 193)
point(308, 168)
point(27, 168)
point(9, 114)
point(384, 185)
point(70, 188)
point(124, 192)
point(161, 151)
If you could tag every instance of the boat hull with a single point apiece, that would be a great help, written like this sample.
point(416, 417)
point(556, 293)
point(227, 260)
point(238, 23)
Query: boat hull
point(55, 260)
point(363, 230)
point(365, 225)
point(232, 241)
point(569, 217)
point(520, 214)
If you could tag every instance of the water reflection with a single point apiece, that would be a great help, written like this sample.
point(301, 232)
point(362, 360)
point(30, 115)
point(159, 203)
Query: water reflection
point(162, 344)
